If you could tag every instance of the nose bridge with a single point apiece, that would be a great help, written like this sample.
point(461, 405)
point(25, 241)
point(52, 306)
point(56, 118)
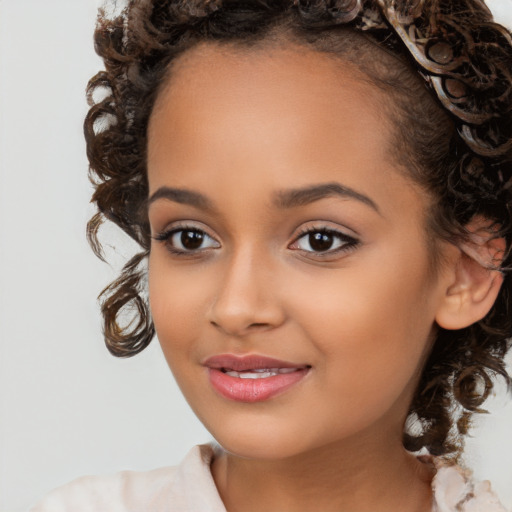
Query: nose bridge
point(246, 297)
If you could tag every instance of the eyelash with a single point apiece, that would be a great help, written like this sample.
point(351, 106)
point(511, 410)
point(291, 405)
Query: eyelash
point(166, 236)
point(347, 242)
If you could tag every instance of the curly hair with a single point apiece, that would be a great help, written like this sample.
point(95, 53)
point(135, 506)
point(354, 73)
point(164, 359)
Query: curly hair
point(447, 69)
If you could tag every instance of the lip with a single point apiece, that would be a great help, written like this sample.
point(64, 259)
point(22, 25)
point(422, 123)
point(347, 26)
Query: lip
point(250, 389)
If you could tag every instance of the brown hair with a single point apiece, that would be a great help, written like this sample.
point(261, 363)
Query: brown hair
point(447, 68)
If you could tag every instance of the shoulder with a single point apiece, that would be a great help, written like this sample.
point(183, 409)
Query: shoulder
point(167, 489)
point(119, 492)
point(454, 489)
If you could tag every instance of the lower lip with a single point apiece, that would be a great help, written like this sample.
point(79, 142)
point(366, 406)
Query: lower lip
point(253, 390)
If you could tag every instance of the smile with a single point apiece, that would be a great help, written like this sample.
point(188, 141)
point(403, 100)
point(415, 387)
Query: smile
point(252, 378)
point(260, 373)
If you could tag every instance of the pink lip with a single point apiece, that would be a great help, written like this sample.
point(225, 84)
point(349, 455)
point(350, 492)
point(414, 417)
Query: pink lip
point(251, 390)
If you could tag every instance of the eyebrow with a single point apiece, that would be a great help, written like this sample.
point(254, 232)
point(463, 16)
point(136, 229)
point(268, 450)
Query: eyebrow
point(283, 199)
point(303, 196)
point(182, 196)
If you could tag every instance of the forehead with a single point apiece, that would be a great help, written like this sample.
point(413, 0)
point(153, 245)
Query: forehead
point(207, 60)
point(266, 93)
point(283, 72)
point(278, 115)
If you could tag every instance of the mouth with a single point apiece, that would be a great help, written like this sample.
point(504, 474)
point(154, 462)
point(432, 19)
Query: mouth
point(252, 378)
point(259, 373)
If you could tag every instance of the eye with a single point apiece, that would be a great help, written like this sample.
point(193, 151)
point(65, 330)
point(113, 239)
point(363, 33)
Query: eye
point(187, 240)
point(323, 241)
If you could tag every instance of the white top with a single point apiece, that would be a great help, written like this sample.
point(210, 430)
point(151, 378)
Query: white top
point(189, 487)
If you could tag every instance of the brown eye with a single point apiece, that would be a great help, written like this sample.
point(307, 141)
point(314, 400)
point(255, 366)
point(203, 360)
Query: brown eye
point(187, 240)
point(320, 241)
point(191, 240)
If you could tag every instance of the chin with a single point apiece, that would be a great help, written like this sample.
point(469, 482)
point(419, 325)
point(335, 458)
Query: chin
point(265, 442)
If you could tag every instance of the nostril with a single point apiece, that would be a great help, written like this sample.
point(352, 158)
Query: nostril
point(239, 329)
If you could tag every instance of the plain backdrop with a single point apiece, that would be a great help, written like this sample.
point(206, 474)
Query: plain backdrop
point(67, 407)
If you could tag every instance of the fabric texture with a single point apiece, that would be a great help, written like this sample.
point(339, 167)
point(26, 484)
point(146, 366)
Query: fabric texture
point(455, 491)
point(189, 487)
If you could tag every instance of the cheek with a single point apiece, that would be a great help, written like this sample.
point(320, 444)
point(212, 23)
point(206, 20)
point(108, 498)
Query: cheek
point(371, 342)
point(369, 316)
point(177, 300)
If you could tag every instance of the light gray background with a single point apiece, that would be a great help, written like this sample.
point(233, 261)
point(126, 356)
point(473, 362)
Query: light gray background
point(67, 407)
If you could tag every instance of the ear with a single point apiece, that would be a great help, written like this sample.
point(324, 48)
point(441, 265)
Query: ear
point(473, 279)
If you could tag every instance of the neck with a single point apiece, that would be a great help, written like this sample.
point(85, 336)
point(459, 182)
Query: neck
point(355, 477)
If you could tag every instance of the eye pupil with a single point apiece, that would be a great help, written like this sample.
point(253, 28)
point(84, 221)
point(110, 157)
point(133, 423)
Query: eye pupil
point(192, 239)
point(320, 241)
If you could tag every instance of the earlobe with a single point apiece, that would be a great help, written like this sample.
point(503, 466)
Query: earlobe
point(475, 284)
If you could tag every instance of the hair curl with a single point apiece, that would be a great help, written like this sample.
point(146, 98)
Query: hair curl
point(458, 126)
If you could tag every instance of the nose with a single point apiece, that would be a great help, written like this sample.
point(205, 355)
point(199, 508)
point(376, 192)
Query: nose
point(247, 298)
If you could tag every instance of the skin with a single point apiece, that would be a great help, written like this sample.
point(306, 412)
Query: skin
point(240, 128)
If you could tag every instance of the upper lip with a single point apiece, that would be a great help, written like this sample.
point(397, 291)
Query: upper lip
point(248, 362)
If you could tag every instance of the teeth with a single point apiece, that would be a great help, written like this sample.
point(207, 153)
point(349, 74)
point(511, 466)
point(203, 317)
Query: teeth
point(287, 370)
point(260, 373)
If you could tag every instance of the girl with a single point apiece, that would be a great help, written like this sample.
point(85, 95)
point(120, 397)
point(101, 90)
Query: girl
point(321, 191)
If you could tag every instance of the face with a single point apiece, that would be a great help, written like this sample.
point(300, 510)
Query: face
point(290, 279)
